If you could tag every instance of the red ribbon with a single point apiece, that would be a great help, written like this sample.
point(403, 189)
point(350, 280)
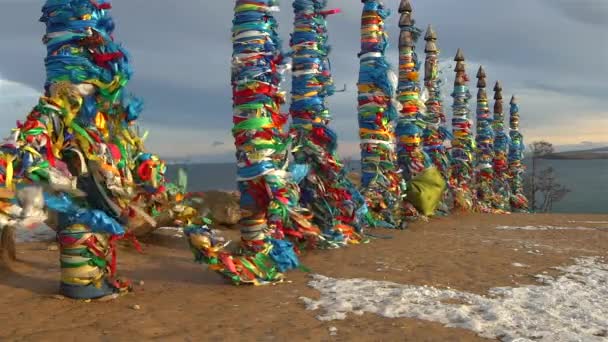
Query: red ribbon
point(104, 6)
point(49, 152)
point(102, 59)
point(112, 246)
point(330, 12)
point(145, 170)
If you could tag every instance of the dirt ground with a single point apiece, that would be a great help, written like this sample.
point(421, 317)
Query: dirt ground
point(181, 301)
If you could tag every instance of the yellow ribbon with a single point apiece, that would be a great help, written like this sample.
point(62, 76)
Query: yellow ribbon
point(9, 171)
point(410, 140)
point(371, 131)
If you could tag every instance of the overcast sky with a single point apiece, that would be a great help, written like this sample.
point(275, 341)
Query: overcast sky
point(553, 54)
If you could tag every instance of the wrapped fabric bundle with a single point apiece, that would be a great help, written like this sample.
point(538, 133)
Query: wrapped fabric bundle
point(82, 135)
point(325, 189)
point(519, 202)
point(501, 186)
point(410, 124)
point(381, 183)
point(484, 174)
point(435, 133)
point(269, 195)
point(426, 191)
point(461, 170)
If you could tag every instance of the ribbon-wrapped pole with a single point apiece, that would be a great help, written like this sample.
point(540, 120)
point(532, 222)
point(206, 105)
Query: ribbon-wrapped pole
point(336, 204)
point(484, 139)
point(435, 133)
point(82, 137)
point(381, 183)
point(269, 195)
point(501, 149)
point(519, 202)
point(461, 170)
point(411, 157)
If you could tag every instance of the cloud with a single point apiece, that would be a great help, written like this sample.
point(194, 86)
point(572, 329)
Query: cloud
point(590, 12)
point(217, 143)
point(548, 52)
point(16, 100)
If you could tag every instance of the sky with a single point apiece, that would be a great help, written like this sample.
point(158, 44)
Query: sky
point(551, 53)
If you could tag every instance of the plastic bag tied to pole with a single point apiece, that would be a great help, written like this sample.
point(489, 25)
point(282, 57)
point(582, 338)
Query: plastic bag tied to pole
point(325, 189)
point(519, 202)
point(502, 193)
point(382, 185)
point(484, 173)
point(463, 144)
point(435, 133)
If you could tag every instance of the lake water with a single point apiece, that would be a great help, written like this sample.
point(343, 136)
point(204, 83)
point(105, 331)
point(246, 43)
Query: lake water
point(588, 180)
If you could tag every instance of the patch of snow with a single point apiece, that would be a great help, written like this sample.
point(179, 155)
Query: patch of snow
point(569, 307)
point(531, 228)
point(178, 232)
point(516, 264)
point(40, 233)
point(592, 222)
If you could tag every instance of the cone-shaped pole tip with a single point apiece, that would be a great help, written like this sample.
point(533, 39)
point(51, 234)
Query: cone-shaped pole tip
point(430, 33)
point(498, 92)
point(481, 73)
point(513, 100)
point(430, 47)
point(406, 20)
point(459, 56)
point(405, 6)
point(497, 87)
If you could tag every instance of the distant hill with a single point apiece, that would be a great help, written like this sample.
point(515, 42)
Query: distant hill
point(595, 153)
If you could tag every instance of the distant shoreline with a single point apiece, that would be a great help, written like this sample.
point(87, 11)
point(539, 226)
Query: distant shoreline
point(577, 156)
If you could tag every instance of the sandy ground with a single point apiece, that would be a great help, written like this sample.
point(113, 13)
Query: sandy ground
point(181, 301)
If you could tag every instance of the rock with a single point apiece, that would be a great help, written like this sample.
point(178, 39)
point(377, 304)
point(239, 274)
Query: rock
point(108, 298)
point(222, 206)
point(135, 307)
point(52, 247)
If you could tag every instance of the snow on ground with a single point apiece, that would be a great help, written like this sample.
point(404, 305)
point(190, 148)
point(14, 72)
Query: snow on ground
point(176, 232)
point(569, 307)
point(543, 228)
point(39, 233)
